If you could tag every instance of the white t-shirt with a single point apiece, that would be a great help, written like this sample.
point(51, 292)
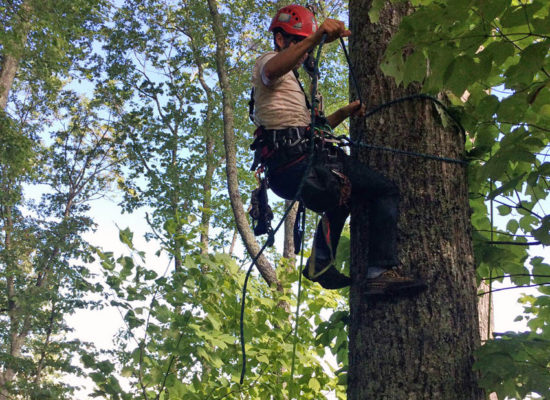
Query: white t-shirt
point(281, 103)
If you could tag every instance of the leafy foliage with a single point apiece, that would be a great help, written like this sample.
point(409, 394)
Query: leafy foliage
point(515, 365)
point(183, 342)
point(153, 125)
point(44, 274)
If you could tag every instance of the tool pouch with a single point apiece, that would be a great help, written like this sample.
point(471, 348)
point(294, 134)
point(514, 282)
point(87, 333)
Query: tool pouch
point(322, 190)
point(260, 211)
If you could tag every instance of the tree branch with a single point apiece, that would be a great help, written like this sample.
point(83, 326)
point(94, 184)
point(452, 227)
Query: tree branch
point(263, 265)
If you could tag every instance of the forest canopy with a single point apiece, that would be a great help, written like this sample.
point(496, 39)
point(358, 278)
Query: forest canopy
point(123, 100)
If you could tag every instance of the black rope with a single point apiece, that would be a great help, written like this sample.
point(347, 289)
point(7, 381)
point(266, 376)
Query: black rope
point(352, 71)
point(407, 153)
point(415, 97)
point(392, 103)
point(296, 197)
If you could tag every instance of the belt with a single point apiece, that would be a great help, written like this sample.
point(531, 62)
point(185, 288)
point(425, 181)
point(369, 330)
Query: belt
point(285, 138)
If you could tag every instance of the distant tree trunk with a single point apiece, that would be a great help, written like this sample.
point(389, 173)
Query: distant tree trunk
point(288, 243)
point(209, 148)
point(263, 264)
point(486, 319)
point(419, 348)
point(9, 60)
point(7, 76)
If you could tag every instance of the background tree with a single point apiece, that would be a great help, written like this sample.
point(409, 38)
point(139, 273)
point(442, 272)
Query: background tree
point(44, 273)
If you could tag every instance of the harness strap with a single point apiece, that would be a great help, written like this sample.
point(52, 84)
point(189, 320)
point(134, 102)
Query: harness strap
point(326, 234)
point(251, 105)
point(297, 75)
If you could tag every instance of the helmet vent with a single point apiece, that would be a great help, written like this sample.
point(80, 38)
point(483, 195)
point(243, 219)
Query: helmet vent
point(284, 17)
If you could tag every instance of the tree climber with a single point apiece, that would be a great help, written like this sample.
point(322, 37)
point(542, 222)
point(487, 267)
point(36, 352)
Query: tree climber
point(282, 142)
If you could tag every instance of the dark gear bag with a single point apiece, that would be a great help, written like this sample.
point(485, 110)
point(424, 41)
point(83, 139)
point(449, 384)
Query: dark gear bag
point(325, 185)
point(261, 212)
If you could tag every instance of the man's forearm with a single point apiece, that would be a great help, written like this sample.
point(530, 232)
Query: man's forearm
point(337, 117)
point(286, 60)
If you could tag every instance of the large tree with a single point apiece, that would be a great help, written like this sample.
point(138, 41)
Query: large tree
point(420, 347)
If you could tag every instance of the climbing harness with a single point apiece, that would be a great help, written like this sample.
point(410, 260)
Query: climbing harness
point(301, 139)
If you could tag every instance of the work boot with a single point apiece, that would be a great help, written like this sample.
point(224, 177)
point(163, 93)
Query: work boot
point(330, 279)
point(390, 283)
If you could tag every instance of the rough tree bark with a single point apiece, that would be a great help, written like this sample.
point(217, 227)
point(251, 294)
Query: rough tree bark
point(419, 348)
point(263, 264)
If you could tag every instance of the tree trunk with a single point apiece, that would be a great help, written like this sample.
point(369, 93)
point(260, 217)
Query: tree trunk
point(486, 319)
point(7, 76)
point(209, 147)
point(422, 347)
point(263, 264)
point(288, 242)
point(10, 60)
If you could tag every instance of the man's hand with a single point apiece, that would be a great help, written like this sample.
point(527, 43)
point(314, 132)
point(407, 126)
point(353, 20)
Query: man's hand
point(356, 109)
point(333, 28)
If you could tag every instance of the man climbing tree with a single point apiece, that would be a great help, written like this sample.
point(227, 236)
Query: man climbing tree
point(420, 348)
point(333, 181)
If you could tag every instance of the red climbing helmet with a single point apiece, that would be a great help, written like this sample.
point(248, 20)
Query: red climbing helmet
point(294, 20)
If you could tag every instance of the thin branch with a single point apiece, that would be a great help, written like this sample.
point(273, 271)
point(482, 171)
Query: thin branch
point(49, 330)
point(513, 287)
point(511, 275)
point(512, 243)
point(502, 233)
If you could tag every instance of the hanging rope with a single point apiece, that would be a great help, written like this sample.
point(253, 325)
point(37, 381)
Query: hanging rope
point(298, 301)
point(289, 208)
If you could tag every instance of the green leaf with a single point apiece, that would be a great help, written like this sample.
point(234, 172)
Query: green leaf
point(314, 385)
point(460, 74)
point(512, 226)
point(490, 9)
point(375, 8)
point(506, 188)
point(542, 233)
point(394, 66)
point(415, 68)
point(126, 236)
point(504, 210)
point(487, 108)
point(540, 268)
point(512, 108)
